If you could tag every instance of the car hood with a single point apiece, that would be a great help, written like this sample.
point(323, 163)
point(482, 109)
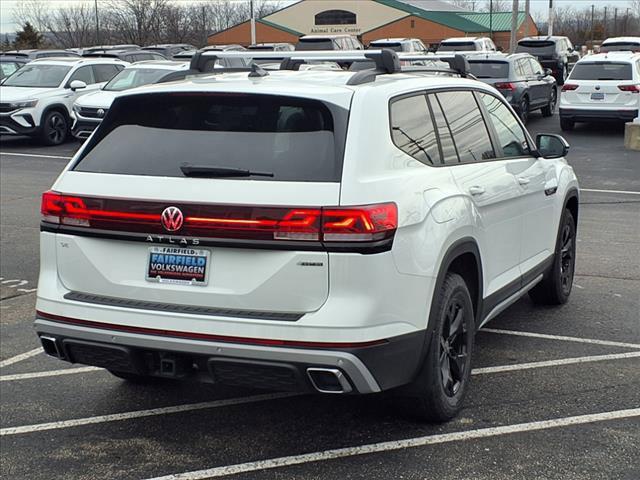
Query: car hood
point(13, 94)
point(99, 99)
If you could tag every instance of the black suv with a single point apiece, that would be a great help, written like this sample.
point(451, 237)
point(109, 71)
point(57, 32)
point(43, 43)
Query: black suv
point(554, 53)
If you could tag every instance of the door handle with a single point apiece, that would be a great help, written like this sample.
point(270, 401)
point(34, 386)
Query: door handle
point(524, 180)
point(476, 190)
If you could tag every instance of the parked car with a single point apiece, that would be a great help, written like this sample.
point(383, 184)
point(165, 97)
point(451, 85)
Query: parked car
point(616, 44)
point(400, 44)
point(34, 54)
point(328, 42)
point(131, 56)
point(100, 48)
point(37, 99)
point(525, 84)
point(89, 110)
point(467, 44)
point(604, 86)
point(169, 50)
point(304, 230)
point(228, 62)
point(553, 52)
point(10, 63)
point(272, 47)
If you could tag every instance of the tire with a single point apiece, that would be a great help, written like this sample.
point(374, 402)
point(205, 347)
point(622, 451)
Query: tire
point(555, 287)
point(562, 76)
point(550, 108)
point(132, 377)
point(55, 128)
point(437, 394)
point(566, 125)
point(523, 110)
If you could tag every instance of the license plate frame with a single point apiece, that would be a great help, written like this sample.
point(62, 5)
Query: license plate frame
point(598, 96)
point(192, 270)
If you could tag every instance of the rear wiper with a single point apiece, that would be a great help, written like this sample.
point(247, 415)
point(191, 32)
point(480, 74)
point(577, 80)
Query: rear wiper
point(206, 171)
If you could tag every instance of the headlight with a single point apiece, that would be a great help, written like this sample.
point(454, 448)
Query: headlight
point(25, 104)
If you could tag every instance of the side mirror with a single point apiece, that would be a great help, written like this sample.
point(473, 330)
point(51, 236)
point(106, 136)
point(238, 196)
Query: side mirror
point(77, 85)
point(551, 146)
point(548, 71)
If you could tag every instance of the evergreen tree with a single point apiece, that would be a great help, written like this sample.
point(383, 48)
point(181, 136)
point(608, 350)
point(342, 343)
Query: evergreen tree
point(28, 37)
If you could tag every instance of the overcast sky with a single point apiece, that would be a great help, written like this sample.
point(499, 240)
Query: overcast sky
point(539, 7)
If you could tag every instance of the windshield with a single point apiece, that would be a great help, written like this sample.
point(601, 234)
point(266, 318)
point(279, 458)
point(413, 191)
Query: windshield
point(456, 46)
point(293, 138)
point(7, 68)
point(489, 69)
point(38, 76)
point(134, 77)
point(395, 46)
point(601, 71)
point(620, 46)
point(536, 47)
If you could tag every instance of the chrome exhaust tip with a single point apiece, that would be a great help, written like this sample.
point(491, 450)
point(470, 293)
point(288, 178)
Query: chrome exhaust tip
point(328, 380)
point(50, 346)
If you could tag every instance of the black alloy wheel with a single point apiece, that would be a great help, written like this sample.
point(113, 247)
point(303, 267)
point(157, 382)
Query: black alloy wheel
point(550, 108)
point(453, 348)
point(54, 128)
point(523, 109)
point(567, 258)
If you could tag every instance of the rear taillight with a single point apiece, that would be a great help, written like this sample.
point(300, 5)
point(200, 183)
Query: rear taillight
point(568, 87)
point(504, 86)
point(367, 223)
point(630, 88)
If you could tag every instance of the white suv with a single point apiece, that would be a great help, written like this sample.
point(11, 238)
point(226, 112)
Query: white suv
point(37, 99)
point(605, 86)
point(304, 230)
point(467, 45)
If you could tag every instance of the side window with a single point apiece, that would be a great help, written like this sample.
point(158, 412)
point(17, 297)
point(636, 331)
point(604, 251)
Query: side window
point(517, 65)
point(449, 153)
point(526, 68)
point(104, 73)
point(84, 74)
point(412, 130)
point(511, 136)
point(535, 66)
point(467, 126)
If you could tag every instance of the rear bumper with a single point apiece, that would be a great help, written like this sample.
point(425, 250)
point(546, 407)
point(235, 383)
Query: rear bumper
point(367, 369)
point(587, 115)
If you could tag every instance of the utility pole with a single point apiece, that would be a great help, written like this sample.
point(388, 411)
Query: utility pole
point(97, 25)
point(253, 24)
point(604, 27)
point(550, 25)
point(592, 32)
point(514, 27)
point(527, 8)
point(205, 37)
point(626, 21)
point(615, 22)
point(491, 19)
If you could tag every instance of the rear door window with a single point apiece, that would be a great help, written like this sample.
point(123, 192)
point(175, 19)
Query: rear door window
point(602, 71)
point(449, 153)
point(412, 129)
point(294, 139)
point(104, 73)
point(467, 126)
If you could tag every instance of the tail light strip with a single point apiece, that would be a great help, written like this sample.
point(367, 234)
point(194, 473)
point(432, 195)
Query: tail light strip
point(367, 223)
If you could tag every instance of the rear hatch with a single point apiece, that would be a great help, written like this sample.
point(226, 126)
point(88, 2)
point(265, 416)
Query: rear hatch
point(202, 199)
point(544, 50)
point(601, 84)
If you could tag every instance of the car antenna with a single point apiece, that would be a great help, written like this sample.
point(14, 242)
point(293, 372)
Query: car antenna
point(257, 71)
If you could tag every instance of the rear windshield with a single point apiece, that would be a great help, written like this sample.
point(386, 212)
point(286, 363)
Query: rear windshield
point(489, 69)
point(456, 46)
point(536, 47)
point(315, 44)
point(293, 138)
point(601, 71)
point(395, 46)
point(620, 46)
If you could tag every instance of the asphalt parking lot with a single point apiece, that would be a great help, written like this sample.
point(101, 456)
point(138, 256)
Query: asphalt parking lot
point(555, 391)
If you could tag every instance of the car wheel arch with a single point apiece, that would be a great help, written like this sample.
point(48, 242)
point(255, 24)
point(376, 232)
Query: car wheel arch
point(58, 107)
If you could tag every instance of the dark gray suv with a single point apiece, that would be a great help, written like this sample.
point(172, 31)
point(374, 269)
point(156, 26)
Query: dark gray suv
point(523, 82)
point(554, 53)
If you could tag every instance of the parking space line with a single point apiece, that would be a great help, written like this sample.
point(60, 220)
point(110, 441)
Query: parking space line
point(34, 155)
point(401, 444)
point(623, 192)
point(552, 363)
point(476, 371)
point(141, 413)
point(50, 373)
point(563, 338)
point(22, 356)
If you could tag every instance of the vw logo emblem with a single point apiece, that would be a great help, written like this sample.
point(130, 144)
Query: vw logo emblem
point(100, 112)
point(172, 219)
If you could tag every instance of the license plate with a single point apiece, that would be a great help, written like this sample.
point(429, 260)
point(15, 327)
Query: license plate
point(597, 96)
point(182, 266)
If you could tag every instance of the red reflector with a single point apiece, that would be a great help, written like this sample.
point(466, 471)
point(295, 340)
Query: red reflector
point(567, 87)
point(315, 224)
point(630, 88)
point(504, 86)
